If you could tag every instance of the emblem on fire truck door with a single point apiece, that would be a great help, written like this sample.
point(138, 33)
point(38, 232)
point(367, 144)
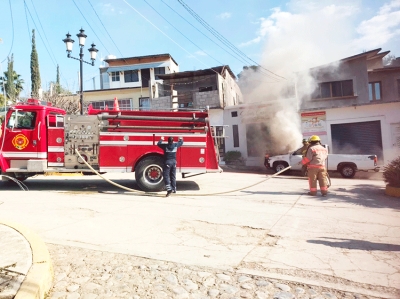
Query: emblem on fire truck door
point(20, 142)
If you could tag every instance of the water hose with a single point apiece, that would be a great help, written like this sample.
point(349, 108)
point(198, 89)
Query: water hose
point(159, 195)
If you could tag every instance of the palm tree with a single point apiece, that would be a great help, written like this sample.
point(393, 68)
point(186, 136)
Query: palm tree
point(17, 85)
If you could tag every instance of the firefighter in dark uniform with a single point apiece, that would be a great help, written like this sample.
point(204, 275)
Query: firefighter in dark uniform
point(169, 171)
point(315, 158)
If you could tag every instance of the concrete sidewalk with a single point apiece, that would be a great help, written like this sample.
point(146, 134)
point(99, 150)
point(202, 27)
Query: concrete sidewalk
point(25, 267)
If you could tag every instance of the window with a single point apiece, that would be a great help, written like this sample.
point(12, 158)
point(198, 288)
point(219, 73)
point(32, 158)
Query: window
point(144, 103)
point(336, 89)
point(131, 76)
point(234, 114)
point(186, 105)
point(235, 135)
point(207, 88)
point(374, 91)
point(125, 104)
point(22, 120)
point(158, 71)
point(114, 76)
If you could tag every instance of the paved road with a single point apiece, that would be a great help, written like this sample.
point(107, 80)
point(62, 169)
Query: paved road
point(348, 241)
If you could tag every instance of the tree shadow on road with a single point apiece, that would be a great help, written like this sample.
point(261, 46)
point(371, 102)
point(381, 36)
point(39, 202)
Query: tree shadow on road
point(356, 244)
point(370, 196)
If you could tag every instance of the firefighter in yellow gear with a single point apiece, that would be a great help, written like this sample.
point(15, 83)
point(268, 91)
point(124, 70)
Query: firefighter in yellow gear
point(304, 147)
point(315, 158)
point(303, 150)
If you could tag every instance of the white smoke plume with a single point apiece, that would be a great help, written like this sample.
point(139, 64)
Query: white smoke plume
point(306, 35)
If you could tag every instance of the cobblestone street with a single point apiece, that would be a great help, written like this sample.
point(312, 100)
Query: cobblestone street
point(90, 274)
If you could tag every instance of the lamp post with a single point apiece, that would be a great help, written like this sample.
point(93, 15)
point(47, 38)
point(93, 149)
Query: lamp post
point(93, 52)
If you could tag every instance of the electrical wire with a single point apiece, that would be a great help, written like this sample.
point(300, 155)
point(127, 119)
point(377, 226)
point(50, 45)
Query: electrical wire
point(182, 33)
point(230, 53)
point(27, 23)
point(223, 39)
point(40, 35)
point(44, 33)
point(12, 26)
point(105, 29)
point(166, 34)
point(90, 26)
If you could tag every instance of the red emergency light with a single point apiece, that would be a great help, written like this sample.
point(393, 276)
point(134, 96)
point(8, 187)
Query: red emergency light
point(38, 102)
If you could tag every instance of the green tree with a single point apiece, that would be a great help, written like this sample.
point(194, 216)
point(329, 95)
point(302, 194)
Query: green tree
point(11, 82)
point(58, 85)
point(2, 101)
point(35, 73)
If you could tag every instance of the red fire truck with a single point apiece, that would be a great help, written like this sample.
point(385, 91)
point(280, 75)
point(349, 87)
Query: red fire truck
point(37, 138)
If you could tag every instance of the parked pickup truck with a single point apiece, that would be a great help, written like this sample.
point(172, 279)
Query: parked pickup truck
point(347, 165)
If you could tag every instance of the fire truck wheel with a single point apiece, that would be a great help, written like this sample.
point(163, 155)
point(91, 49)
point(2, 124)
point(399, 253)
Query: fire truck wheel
point(149, 174)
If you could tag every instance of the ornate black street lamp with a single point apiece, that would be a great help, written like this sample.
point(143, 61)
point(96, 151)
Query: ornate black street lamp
point(93, 52)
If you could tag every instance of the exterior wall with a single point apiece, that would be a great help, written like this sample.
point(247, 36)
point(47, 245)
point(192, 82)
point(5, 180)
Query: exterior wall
point(206, 98)
point(229, 121)
point(161, 103)
point(387, 114)
point(134, 64)
point(355, 70)
point(233, 95)
point(389, 84)
point(375, 63)
point(216, 117)
point(108, 95)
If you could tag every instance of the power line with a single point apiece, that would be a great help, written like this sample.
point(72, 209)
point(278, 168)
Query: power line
point(221, 37)
point(12, 26)
point(40, 35)
point(27, 23)
point(166, 34)
point(105, 28)
point(44, 33)
point(90, 26)
point(182, 33)
point(234, 55)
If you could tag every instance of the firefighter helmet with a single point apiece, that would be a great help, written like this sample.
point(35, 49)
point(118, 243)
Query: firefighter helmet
point(305, 140)
point(314, 138)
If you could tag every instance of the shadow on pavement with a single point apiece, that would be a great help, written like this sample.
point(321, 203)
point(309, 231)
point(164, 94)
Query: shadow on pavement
point(370, 196)
point(85, 185)
point(356, 244)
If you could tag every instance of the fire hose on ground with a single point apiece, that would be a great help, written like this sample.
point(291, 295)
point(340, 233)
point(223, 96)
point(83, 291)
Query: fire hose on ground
point(153, 194)
point(159, 195)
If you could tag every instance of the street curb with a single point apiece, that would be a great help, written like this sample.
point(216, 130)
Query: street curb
point(39, 278)
point(328, 285)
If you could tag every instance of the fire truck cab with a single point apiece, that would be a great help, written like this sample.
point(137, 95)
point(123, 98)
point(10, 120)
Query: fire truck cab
point(38, 138)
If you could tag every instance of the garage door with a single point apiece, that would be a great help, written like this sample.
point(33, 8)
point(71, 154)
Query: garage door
point(357, 138)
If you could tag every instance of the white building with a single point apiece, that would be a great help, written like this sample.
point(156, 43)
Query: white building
point(355, 109)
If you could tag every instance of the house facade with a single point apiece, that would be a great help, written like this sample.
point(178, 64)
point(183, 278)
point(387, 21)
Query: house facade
point(131, 80)
point(354, 108)
point(214, 88)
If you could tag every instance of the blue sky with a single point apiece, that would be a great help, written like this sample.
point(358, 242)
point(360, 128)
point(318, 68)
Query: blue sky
point(269, 32)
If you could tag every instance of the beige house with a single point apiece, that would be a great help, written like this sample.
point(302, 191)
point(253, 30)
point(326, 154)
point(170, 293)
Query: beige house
point(130, 80)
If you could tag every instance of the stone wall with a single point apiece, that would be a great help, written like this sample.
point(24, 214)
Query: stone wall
point(206, 98)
